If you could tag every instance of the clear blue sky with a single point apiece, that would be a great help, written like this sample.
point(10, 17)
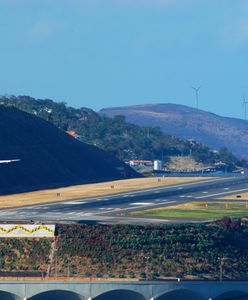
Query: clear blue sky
point(101, 53)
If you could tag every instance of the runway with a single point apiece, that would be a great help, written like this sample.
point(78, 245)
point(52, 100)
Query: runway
point(112, 208)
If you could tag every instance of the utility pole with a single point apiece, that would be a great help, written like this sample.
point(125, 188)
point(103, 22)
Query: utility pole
point(245, 102)
point(196, 89)
point(221, 260)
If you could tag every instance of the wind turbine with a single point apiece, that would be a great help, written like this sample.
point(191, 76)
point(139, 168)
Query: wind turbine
point(196, 89)
point(245, 102)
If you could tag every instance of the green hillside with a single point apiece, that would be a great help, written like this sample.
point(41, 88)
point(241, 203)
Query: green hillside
point(124, 140)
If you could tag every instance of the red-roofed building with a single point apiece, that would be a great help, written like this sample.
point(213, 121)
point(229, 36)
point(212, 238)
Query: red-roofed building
point(72, 133)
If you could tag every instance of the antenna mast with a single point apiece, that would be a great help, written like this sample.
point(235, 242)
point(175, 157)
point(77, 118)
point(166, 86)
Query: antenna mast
point(196, 95)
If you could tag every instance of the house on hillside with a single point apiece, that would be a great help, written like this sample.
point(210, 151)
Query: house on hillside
point(73, 134)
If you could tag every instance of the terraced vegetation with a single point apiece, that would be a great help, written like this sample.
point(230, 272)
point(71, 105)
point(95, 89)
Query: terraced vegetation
point(193, 251)
point(154, 252)
point(24, 254)
point(197, 210)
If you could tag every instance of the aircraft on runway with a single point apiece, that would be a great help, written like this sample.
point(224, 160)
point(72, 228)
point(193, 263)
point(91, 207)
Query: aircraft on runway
point(7, 161)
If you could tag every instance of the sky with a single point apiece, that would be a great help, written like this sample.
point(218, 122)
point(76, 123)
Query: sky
point(105, 53)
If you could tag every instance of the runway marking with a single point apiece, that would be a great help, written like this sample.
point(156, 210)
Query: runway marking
point(172, 186)
point(223, 193)
point(168, 202)
point(141, 203)
point(226, 189)
point(183, 196)
point(71, 203)
point(205, 192)
point(156, 192)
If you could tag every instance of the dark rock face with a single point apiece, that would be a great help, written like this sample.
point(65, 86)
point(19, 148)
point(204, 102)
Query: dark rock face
point(189, 123)
point(48, 156)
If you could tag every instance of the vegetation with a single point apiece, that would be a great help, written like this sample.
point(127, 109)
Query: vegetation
point(24, 254)
point(198, 210)
point(124, 140)
point(193, 251)
point(150, 252)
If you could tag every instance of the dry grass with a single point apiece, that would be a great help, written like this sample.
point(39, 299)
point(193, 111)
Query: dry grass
point(185, 163)
point(90, 190)
point(244, 196)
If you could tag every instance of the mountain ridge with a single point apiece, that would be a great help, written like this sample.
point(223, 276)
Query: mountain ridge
point(189, 123)
point(118, 137)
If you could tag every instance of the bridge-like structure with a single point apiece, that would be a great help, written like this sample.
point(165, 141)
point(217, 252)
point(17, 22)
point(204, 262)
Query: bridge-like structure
point(114, 290)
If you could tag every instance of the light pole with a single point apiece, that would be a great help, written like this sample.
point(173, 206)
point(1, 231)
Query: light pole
point(221, 259)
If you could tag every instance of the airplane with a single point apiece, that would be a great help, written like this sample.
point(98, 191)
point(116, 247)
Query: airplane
point(8, 161)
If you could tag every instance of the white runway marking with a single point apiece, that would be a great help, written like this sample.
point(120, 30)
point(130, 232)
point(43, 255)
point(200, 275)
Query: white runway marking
point(223, 193)
point(141, 203)
point(205, 192)
point(72, 203)
point(167, 202)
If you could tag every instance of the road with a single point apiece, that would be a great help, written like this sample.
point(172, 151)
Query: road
point(111, 208)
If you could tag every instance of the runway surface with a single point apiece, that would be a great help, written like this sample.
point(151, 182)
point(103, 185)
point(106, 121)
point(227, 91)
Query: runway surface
point(112, 208)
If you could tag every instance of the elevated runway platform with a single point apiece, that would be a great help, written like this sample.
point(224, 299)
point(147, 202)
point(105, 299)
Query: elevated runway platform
point(114, 290)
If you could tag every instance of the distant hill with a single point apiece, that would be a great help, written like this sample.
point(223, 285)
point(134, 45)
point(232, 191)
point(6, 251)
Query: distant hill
point(189, 123)
point(118, 137)
point(48, 156)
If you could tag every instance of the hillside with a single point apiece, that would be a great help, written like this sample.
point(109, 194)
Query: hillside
point(118, 137)
point(189, 123)
point(48, 156)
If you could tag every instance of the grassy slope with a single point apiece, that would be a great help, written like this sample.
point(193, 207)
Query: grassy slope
point(211, 210)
